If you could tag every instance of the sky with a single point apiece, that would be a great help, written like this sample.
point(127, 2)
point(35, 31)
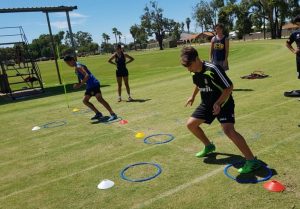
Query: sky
point(92, 16)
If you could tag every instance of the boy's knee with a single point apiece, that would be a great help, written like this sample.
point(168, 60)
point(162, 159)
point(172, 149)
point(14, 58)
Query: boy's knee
point(190, 124)
point(229, 131)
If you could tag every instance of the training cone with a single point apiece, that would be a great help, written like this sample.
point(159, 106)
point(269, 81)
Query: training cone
point(139, 135)
point(75, 110)
point(123, 122)
point(35, 128)
point(105, 184)
point(274, 186)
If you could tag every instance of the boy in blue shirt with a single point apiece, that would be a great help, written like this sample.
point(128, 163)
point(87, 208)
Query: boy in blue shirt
point(92, 88)
point(217, 102)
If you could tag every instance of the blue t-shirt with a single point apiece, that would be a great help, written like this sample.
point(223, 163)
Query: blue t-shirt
point(92, 82)
point(219, 50)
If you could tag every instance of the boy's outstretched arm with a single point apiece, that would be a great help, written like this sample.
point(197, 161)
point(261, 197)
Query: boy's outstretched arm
point(191, 99)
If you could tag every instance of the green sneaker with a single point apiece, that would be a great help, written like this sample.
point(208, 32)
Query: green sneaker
point(207, 149)
point(250, 166)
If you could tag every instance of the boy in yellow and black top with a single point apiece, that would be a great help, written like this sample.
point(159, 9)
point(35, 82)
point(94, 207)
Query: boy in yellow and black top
point(295, 37)
point(215, 88)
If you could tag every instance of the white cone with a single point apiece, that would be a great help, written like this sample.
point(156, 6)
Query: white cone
point(106, 184)
point(35, 128)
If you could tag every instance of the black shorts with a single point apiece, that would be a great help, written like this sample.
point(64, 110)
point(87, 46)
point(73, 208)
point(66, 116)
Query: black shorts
point(93, 91)
point(205, 113)
point(122, 72)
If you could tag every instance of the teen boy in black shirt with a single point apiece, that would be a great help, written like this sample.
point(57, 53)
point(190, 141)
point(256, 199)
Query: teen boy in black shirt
point(217, 102)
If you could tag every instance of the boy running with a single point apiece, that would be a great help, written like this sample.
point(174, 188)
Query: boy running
point(217, 102)
point(92, 88)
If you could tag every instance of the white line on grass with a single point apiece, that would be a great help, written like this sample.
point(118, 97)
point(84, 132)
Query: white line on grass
point(119, 158)
point(203, 177)
point(75, 173)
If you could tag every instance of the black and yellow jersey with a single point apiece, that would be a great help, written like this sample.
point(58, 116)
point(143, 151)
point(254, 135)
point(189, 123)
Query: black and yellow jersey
point(211, 82)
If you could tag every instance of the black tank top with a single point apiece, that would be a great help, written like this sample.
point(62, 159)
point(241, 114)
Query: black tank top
point(121, 61)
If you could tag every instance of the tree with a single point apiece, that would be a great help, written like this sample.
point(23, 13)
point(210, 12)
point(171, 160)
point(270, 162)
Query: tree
point(115, 32)
point(276, 11)
point(243, 23)
point(188, 22)
point(105, 37)
point(155, 24)
point(119, 34)
point(182, 26)
point(203, 14)
point(216, 5)
point(139, 35)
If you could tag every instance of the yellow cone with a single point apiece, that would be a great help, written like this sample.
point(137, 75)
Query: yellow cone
point(75, 110)
point(139, 135)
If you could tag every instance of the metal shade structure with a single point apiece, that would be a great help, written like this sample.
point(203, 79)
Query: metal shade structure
point(48, 10)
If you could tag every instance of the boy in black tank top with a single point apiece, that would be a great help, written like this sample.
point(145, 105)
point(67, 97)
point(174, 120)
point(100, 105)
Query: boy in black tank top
point(217, 102)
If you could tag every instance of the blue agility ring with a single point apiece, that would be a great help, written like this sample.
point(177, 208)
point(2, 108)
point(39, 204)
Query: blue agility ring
point(247, 180)
point(171, 137)
point(54, 124)
point(123, 176)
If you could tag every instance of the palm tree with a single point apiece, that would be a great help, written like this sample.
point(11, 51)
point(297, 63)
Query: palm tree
point(115, 32)
point(119, 34)
point(188, 21)
point(105, 37)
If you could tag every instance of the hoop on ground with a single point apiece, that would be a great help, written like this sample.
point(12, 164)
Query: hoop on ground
point(54, 124)
point(171, 137)
point(123, 176)
point(247, 180)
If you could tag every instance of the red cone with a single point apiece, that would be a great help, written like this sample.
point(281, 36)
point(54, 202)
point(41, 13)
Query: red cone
point(274, 186)
point(123, 122)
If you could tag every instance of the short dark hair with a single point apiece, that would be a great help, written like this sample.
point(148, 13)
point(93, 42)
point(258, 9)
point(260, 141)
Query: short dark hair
point(296, 19)
point(69, 58)
point(188, 55)
point(119, 46)
point(220, 25)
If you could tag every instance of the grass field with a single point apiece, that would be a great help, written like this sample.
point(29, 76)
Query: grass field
point(59, 168)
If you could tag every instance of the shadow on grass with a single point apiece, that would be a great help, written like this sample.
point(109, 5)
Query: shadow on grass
point(243, 90)
point(139, 100)
point(238, 161)
point(36, 94)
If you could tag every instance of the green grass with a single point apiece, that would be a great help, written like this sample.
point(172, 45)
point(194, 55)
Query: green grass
point(61, 167)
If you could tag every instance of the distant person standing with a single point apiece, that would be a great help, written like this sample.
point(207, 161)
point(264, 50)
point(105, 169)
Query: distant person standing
point(219, 48)
point(295, 37)
point(121, 73)
point(92, 88)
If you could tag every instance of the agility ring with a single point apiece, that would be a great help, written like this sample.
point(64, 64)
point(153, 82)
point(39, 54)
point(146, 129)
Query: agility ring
point(54, 124)
point(123, 176)
point(247, 180)
point(171, 137)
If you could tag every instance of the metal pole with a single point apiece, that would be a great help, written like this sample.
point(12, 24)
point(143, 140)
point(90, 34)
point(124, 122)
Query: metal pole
point(53, 48)
point(71, 33)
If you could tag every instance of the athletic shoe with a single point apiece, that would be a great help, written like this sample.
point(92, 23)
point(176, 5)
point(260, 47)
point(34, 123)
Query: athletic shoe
point(130, 99)
point(112, 117)
point(207, 149)
point(250, 166)
point(119, 99)
point(97, 116)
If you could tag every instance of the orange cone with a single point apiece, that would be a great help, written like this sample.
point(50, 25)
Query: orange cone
point(274, 186)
